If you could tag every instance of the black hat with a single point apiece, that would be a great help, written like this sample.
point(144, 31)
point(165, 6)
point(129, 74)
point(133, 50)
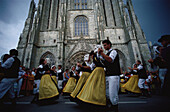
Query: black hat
point(164, 38)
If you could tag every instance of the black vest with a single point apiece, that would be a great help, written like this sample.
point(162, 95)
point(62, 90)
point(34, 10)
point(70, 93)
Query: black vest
point(142, 73)
point(72, 75)
point(38, 74)
point(12, 72)
point(60, 75)
point(85, 69)
point(112, 69)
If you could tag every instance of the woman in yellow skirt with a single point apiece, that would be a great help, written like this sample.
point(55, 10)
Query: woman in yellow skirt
point(80, 84)
point(94, 90)
point(132, 84)
point(48, 88)
point(71, 84)
point(85, 74)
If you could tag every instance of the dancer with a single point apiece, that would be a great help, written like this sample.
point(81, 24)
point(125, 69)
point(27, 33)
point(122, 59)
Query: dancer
point(132, 84)
point(71, 84)
point(112, 74)
point(20, 77)
point(165, 54)
point(60, 78)
point(2, 70)
point(11, 66)
point(53, 73)
point(160, 63)
point(94, 90)
point(142, 78)
point(83, 77)
point(48, 89)
point(39, 74)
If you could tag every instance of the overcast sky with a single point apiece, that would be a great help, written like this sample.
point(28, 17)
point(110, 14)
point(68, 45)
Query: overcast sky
point(153, 16)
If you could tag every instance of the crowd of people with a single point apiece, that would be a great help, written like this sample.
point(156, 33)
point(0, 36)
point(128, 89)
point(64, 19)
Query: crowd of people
point(97, 81)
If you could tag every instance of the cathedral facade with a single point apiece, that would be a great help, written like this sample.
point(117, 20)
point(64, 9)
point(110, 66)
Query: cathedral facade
point(65, 30)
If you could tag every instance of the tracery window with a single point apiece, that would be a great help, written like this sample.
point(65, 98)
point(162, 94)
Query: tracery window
point(81, 26)
point(51, 58)
point(80, 4)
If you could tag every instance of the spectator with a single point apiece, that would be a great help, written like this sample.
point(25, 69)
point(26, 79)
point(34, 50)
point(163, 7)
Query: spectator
point(34, 71)
point(20, 77)
point(66, 77)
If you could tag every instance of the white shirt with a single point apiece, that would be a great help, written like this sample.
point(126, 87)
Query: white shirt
point(140, 67)
point(135, 71)
point(41, 72)
point(92, 66)
point(59, 71)
point(149, 79)
point(8, 63)
point(87, 63)
point(112, 54)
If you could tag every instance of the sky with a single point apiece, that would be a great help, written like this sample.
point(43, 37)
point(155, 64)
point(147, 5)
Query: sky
point(153, 16)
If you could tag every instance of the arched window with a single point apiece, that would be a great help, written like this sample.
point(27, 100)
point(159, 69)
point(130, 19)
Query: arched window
point(81, 26)
point(128, 19)
point(80, 4)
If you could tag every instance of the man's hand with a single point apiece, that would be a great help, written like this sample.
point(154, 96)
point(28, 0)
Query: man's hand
point(107, 58)
point(100, 50)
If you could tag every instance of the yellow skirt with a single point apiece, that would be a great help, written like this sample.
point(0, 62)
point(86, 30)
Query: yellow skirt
point(94, 90)
point(80, 83)
point(132, 84)
point(71, 84)
point(55, 79)
point(47, 88)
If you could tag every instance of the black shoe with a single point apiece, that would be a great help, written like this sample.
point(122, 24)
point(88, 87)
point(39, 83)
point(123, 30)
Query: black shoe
point(113, 108)
point(1, 103)
point(33, 101)
point(143, 97)
point(13, 101)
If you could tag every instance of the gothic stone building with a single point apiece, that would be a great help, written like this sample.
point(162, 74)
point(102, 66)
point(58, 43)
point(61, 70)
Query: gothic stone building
point(65, 30)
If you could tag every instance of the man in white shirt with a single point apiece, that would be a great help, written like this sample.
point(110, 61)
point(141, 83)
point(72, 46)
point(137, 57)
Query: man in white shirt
point(111, 60)
point(142, 77)
point(60, 77)
point(11, 66)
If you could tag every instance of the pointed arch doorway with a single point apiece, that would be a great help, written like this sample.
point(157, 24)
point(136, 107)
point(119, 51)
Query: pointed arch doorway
point(75, 58)
point(51, 57)
point(122, 61)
